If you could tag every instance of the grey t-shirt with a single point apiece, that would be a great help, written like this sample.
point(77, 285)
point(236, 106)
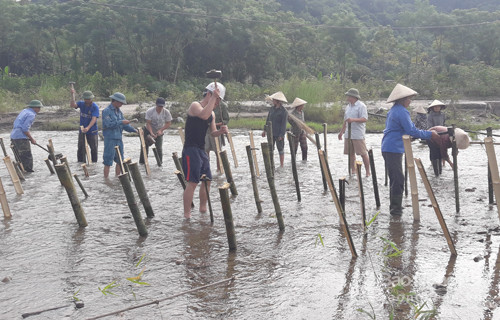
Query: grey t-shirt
point(158, 119)
point(357, 110)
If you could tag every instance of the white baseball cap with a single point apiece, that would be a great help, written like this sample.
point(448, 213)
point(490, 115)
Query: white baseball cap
point(222, 90)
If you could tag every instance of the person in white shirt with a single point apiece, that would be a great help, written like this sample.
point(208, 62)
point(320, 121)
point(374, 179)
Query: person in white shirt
point(158, 119)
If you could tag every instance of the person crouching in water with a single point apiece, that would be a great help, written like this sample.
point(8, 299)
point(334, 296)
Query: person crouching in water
point(200, 117)
point(434, 119)
point(397, 124)
point(441, 146)
point(299, 134)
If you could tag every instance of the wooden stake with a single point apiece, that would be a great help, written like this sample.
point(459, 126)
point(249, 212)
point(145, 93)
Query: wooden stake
point(454, 153)
point(65, 161)
point(18, 158)
point(254, 179)
point(205, 184)
point(342, 182)
point(143, 146)
point(178, 164)
point(67, 181)
point(349, 149)
point(493, 164)
point(359, 164)
point(87, 149)
point(435, 205)
point(228, 216)
point(489, 133)
point(270, 143)
point(13, 175)
point(52, 156)
point(413, 177)
point(344, 225)
point(157, 157)
point(272, 187)
point(141, 189)
point(294, 164)
point(229, 175)
point(325, 132)
point(120, 161)
point(132, 204)
point(254, 154)
point(47, 162)
point(233, 152)
point(318, 146)
point(374, 178)
point(218, 151)
point(81, 185)
point(19, 171)
point(4, 202)
point(3, 148)
point(181, 134)
point(84, 167)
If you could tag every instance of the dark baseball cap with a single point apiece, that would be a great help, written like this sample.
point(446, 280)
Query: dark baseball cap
point(160, 102)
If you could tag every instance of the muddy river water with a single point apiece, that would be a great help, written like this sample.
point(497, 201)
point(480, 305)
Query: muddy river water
point(305, 272)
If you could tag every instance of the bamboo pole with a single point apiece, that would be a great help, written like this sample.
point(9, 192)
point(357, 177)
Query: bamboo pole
point(228, 216)
point(13, 175)
point(454, 153)
point(344, 225)
point(19, 171)
point(143, 148)
point(65, 161)
point(84, 168)
point(120, 160)
point(489, 133)
point(435, 205)
point(47, 162)
point(87, 149)
point(325, 132)
point(374, 178)
point(17, 157)
point(162, 299)
point(132, 204)
point(406, 177)
point(481, 142)
point(218, 151)
point(4, 202)
point(413, 177)
point(64, 176)
point(294, 164)
point(180, 176)
point(81, 185)
point(349, 149)
point(229, 175)
point(254, 154)
point(205, 180)
point(52, 156)
point(270, 143)
point(233, 151)
point(177, 163)
point(157, 156)
point(181, 134)
point(272, 187)
point(254, 179)
point(342, 182)
point(318, 146)
point(493, 164)
point(3, 148)
point(361, 193)
point(141, 189)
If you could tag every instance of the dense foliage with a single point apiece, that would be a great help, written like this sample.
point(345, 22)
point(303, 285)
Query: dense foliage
point(164, 45)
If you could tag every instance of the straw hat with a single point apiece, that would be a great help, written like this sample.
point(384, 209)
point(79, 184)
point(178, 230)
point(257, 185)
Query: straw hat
point(353, 92)
point(400, 92)
point(436, 103)
point(420, 109)
point(278, 96)
point(462, 139)
point(298, 102)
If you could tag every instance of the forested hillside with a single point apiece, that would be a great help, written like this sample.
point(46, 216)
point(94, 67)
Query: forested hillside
point(446, 45)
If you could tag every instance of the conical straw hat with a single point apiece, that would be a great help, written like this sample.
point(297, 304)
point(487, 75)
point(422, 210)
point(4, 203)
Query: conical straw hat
point(298, 102)
point(278, 96)
point(400, 92)
point(420, 109)
point(462, 139)
point(436, 103)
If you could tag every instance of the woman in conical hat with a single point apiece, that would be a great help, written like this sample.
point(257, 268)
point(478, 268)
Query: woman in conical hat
point(300, 136)
point(436, 117)
point(278, 117)
point(421, 117)
point(397, 124)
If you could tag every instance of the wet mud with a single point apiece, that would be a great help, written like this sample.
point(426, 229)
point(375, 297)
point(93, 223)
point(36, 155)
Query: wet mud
point(305, 272)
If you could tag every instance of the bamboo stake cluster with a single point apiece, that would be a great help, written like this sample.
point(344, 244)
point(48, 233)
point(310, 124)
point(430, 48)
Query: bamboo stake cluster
point(64, 176)
point(132, 204)
point(141, 189)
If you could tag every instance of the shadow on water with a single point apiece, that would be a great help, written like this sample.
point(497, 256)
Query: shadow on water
point(47, 259)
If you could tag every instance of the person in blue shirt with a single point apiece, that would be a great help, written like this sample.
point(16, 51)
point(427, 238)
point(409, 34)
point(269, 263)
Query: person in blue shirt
point(397, 124)
point(21, 137)
point(89, 112)
point(113, 124)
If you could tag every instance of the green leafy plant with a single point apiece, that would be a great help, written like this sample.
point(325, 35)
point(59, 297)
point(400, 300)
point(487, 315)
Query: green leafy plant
point(319, 239)
point(106, 290)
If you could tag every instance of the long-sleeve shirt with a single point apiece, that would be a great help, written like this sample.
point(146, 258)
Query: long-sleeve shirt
point(278, 118)
point(444, 141)
point(435, 119)
point(23, 123)
point(112, 123)
point(296, 130)
point(397, 124)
